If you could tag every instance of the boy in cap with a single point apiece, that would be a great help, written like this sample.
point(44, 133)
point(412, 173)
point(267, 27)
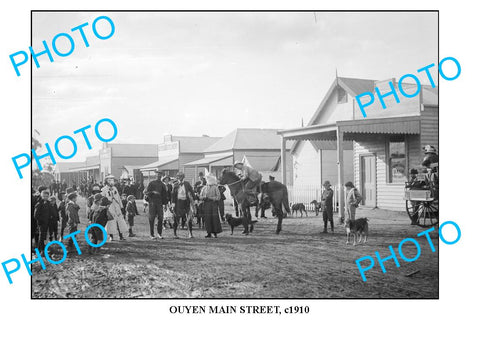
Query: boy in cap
point(43, 213)
point(100, 215)
point(54, 218)
point(131, 210)
point(327, 206)
point(71, 211)
point(63, 215)
point(95, 190)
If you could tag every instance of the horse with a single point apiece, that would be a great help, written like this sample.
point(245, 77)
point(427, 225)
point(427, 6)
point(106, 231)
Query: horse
point(276, 191)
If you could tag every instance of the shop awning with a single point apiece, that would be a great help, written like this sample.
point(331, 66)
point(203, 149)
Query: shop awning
point(164, 163)
point(216, 160)
point(393, 125)
point(85, 168)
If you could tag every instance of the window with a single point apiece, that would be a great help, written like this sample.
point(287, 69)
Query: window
point(342, 96)
point(397, 160)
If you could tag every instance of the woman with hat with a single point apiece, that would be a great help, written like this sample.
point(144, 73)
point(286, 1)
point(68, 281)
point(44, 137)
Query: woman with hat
point(111, 192)
point(210, 195)
point(353, 200)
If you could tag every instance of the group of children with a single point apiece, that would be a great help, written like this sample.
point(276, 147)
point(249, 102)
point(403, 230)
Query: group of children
point(47, 214)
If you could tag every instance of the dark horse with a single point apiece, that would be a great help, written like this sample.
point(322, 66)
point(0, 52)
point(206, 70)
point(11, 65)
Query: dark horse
point(276, 192)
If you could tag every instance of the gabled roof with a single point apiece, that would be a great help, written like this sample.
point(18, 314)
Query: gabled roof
point(248, 139)
point(194, 144)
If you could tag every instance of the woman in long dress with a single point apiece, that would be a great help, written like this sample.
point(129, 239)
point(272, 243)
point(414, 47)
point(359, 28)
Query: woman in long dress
point(210, 195)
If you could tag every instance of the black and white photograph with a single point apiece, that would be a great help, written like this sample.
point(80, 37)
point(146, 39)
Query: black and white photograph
point(233, 170)
point(236, 155)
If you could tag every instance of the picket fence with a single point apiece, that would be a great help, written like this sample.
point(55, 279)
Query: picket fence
point(307, 193)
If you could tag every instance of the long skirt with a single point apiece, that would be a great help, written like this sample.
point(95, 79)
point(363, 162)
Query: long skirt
point(212, 220)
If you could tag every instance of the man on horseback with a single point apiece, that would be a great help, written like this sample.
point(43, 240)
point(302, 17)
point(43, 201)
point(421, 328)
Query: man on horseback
point(250, 177)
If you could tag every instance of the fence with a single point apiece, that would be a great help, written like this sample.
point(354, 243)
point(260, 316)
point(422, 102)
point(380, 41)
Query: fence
point(307, 193)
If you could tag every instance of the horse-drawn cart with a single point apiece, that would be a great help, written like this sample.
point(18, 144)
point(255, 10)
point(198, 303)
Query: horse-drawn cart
point(421, 201)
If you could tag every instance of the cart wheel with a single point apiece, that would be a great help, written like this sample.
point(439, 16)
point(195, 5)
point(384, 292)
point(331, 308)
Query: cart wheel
point(412, 208)
point(423, 213)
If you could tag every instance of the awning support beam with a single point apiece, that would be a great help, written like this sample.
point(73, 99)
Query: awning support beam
point(341, 197)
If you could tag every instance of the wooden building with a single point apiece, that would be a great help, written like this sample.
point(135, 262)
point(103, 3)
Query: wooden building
point(261, 147)
point(174, 153)
point(386, 144)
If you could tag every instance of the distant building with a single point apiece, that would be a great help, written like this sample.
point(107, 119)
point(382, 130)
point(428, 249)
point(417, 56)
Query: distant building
point(63, 172)
point(115, 157)
point(174, 153)
point(260, 147)
point(89, 170)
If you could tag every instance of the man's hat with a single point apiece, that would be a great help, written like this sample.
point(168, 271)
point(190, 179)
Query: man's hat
point(200, 173)
point(104, 201)
point(271, 178)
point(413, 172)
point(97, 197)
point(430, 149)
point(110, 176)
point(237, 163)
point(180, 174)
point(327, 183)
point(349, 184)
point(130, 197)
point(71, 191)
point(72, 195)
point(166, 177)
point(41, 188)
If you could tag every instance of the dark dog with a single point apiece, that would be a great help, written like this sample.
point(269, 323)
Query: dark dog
point(299, 207)
point(317, 206)
point(358, 228)
point(236, 221)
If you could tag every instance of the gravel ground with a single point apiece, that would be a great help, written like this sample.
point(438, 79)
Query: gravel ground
point(301, 262)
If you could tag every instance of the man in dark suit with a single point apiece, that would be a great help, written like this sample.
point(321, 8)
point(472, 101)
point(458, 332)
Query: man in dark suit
point(182, 197)
point(156, 195)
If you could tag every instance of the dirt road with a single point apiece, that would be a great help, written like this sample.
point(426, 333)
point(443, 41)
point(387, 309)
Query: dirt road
point(301, 262)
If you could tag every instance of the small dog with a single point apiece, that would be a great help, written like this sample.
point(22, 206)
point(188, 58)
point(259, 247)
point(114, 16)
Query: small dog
point(358, 228)
point(236, 221)
point(299, 207)
point(317, 205)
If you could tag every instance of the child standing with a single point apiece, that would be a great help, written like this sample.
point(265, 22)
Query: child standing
point(353, 200)
point(43, 213)
point(54, 218)
point(100, 215)
point(124, 205)
point(62, 213)
point(131, 209)
point(71, 211)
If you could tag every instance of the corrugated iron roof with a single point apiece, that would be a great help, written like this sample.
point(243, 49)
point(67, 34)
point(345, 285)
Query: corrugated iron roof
point(190, 144)
point(248, 139)
point(356, 86)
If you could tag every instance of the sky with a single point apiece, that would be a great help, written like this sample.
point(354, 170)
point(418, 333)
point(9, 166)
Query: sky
point(196, 73)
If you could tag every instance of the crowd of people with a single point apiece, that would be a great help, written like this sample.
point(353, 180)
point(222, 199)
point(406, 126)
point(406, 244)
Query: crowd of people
point(170, 201)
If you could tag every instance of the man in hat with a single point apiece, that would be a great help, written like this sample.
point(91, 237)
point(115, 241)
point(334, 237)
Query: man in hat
point(95, 190)
point(271, 178)
point(182, 197)
point(327, 206)
point(110, 191)
point(430, 161)
point(157, 196)
point(249, 176)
